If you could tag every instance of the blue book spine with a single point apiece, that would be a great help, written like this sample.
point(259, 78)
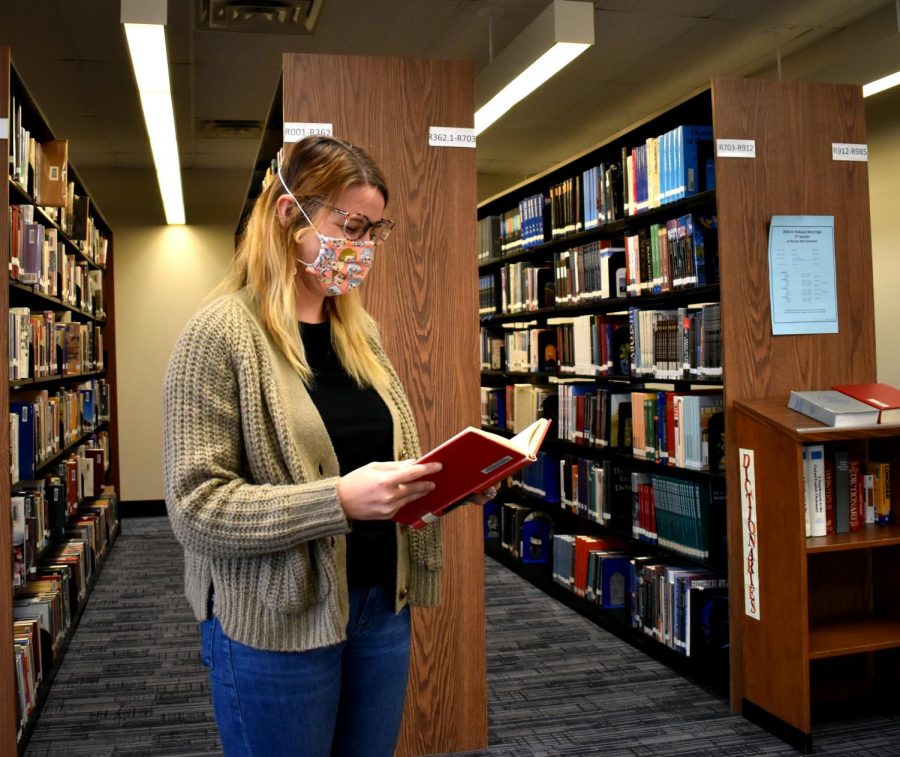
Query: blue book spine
point(25, 412)
point(693, 170)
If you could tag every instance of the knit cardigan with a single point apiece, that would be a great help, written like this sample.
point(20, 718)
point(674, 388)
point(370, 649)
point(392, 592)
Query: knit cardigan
point(251, 487)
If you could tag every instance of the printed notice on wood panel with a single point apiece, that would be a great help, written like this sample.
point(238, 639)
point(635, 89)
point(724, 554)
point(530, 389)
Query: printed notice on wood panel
point(447, 136)
point(802, 281)
point(4, 128)
point(294, 131)
point(748, 526)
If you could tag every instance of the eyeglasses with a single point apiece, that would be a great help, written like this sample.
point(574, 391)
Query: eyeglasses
point(356, 225)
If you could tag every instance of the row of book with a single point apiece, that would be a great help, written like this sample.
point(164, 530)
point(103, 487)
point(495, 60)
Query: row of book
point(684, 516)
point(47, 343)
point(41, 507)
point(39, 259)
point(46, 606)
point(843, 493)
point(668, 168)
point(677, 254)
point(681, 606)
point(687, 517)
point(514, 407)
point(670, 345)
point(43, 423)
point(663, 169)
point(488, 292)
point(41, 169)
point(683, 429)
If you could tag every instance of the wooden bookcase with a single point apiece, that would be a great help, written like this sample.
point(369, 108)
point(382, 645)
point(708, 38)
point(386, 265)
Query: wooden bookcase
point(794, 125)
point(420, 293)
point(12, 738)
point(829, 611)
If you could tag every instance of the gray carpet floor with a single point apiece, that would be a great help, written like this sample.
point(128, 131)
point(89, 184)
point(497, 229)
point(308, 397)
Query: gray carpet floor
point(132, 684)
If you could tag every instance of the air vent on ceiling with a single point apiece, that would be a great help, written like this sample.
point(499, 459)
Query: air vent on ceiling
point(261, 17)
point(225, 128)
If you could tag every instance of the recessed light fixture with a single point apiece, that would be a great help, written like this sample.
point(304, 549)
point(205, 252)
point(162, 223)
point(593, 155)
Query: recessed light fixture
point(145, 31)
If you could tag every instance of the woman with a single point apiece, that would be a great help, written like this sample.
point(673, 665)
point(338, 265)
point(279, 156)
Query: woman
point(280, 405)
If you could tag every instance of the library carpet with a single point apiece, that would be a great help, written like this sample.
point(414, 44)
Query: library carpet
point(132, 684)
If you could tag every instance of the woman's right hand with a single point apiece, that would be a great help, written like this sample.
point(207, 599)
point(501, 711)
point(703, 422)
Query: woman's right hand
point(377, 490)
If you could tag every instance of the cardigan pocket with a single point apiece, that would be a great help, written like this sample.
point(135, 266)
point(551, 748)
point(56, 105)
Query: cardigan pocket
point(290, 582)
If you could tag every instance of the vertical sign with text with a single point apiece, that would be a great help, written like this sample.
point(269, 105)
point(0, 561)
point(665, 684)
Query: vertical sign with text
point(748, 527)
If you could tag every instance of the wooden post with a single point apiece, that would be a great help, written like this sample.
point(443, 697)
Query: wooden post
point(423, 292)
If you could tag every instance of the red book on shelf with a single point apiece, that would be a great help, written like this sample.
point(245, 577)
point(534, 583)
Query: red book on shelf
point(881, 396)
point(472, 460)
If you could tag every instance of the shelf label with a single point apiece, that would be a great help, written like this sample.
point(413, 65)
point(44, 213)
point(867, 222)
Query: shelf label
point(449, 136)
point(750, 531)
point(4, 128)
point(294, 131)
point(735, 148)
point(844, 151)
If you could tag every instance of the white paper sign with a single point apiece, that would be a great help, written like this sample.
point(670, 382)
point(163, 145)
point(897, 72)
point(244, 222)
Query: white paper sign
point(802, 275)
point(735, 148)
point(844, 151)
point(4, 128)
point(748, 527)
point(294, 131)
point(449, 136)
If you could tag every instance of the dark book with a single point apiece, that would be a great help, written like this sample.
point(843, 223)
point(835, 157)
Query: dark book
point(707, 625)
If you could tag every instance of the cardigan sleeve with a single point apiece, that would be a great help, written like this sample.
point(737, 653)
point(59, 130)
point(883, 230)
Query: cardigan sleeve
point(208, 413)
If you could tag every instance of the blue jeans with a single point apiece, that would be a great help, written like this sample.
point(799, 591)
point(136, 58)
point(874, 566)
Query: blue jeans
point(344, 700)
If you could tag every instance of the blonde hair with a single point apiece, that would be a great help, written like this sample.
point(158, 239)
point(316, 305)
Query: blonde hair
point(318, 170)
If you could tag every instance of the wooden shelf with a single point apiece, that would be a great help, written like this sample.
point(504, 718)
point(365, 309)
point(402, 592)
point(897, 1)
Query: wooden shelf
point(775, 413)
point(853, 636)
point(18, 294)
point(869, 537)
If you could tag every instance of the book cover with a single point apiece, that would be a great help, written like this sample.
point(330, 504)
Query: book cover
point(883, 397)
point(833, 408)
point(472, 460)
point(52, 179)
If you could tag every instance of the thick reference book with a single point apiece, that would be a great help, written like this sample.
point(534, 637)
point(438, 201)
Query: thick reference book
point(472, 460)
point(833, 408)
point(884, 397)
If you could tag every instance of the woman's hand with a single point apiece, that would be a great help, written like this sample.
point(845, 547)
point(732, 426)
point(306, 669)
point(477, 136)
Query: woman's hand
point(377, 490)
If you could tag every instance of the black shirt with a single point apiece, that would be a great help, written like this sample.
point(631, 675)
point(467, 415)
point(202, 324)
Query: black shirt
point(361, 430)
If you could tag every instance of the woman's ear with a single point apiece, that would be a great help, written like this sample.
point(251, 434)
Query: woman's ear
point(285, 208)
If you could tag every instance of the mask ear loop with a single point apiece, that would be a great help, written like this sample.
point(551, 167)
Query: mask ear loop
point(299, 232)
point(296, 201)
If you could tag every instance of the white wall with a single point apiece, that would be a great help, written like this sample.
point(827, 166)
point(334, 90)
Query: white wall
point(162, 275)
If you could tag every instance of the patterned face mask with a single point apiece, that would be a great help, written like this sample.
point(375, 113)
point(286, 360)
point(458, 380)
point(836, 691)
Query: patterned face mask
point(341, 264)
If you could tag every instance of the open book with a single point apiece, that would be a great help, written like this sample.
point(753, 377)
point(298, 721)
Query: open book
point(473, 459)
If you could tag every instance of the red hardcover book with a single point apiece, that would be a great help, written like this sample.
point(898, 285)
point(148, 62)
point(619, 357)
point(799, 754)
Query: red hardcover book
point(829, 496)
point(472, 460)
point(881, 396)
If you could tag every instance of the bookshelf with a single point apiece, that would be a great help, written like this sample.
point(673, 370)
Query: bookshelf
point(829, 615)
point(422, 301)
point(794, 125)
point(75, 366)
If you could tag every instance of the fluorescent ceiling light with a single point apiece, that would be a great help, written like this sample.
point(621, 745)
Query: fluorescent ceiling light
point(147, 46)
point(554, 39)
point(879, 85)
